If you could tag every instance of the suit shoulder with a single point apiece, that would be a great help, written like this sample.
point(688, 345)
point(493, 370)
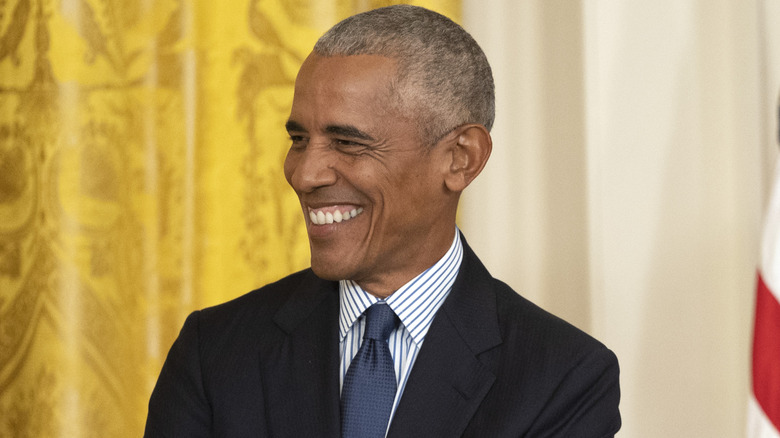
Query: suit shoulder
point(259, 304)
point(552, 379)
point(252, 320)
point(539, 330)
point(276, 291)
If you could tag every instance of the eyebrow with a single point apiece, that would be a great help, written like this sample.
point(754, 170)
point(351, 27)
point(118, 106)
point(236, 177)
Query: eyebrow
point(341, 130)
point(293, 126)
point(348, 131)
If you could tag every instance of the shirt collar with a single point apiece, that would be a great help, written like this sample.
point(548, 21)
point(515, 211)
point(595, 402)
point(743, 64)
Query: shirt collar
point(415, 303)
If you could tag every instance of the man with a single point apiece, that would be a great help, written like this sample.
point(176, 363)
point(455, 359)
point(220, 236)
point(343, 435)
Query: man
point(389, 124)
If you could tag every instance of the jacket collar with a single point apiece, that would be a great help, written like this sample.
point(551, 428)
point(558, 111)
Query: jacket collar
point(451, 375)
point(453, 371)
point(300, 380)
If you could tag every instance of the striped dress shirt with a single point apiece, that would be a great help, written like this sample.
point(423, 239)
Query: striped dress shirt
point(415, 303)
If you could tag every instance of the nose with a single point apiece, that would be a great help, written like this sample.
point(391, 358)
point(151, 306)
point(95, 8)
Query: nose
point(310, 168)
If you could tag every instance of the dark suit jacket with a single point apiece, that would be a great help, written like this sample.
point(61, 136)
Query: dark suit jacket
point(493, 365)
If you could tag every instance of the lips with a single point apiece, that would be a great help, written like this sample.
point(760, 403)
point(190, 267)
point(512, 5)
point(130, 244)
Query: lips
point(335, 214)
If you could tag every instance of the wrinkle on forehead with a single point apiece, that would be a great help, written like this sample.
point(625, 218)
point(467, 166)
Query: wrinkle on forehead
point(349, 85)
point(329, 69)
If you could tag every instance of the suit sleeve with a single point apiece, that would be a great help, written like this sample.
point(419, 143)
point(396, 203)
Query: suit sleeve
point(178, 406)
point(585, 403)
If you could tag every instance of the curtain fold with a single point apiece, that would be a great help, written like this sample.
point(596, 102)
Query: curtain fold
point(141, 150)
point(629, 170)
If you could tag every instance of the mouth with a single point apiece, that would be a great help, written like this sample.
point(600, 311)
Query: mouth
point(333, 214)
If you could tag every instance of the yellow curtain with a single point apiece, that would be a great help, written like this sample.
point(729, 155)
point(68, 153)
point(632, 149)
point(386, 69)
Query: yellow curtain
point(141, 149)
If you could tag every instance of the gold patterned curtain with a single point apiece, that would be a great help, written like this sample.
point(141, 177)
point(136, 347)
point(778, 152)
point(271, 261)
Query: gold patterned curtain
point(141, 150)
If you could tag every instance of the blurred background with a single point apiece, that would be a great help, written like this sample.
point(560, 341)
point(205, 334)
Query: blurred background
point(141, 145)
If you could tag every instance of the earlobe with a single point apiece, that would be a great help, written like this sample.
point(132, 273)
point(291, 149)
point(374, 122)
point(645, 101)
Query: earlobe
point(470, 152)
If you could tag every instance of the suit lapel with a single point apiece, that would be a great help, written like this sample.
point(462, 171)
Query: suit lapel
point(300, 375)
point(453, 371)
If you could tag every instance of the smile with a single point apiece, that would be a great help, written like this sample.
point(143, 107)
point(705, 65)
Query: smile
point(324, 217)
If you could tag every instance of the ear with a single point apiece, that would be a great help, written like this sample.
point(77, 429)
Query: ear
point(470, 151)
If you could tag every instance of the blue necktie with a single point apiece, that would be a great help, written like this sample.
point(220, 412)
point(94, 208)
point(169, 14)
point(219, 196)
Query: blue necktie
point(369, 386)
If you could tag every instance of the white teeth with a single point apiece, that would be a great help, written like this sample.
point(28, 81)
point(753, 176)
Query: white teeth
point(320, 218)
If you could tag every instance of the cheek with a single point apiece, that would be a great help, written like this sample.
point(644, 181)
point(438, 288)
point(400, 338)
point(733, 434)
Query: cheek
point(423, 193)
point(289, 167)
point(409, 193)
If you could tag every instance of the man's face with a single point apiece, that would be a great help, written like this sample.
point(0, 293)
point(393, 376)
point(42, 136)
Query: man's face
point(373, 197)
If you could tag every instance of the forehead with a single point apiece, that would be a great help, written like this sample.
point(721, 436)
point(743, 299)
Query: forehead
point(357, 70)
point(359, 86)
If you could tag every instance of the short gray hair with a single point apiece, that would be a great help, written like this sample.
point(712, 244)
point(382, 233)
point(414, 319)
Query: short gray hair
point(442, 74)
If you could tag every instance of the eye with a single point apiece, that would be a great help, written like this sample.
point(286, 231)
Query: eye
point(298, 141)
point(348, 143)
point(350, 147)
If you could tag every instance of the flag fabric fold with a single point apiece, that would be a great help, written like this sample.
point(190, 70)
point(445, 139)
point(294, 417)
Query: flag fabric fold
point(764, 406)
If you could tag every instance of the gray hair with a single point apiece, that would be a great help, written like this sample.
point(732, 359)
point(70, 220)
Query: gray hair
point(442, 74)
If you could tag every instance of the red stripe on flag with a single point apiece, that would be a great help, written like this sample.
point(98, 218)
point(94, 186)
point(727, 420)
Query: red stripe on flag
point(766, 353)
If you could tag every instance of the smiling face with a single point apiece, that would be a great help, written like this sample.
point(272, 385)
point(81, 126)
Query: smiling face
point(376, 206)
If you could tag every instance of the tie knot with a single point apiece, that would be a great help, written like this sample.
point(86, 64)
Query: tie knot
point(380, 322)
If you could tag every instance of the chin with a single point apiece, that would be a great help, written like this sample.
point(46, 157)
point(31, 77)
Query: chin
point(327, 271)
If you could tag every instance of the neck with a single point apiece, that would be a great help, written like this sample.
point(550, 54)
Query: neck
point(385, 284)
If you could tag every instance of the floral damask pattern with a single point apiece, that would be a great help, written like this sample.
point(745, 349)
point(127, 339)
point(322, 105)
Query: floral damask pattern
point(72, 96)
point(141, 150)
